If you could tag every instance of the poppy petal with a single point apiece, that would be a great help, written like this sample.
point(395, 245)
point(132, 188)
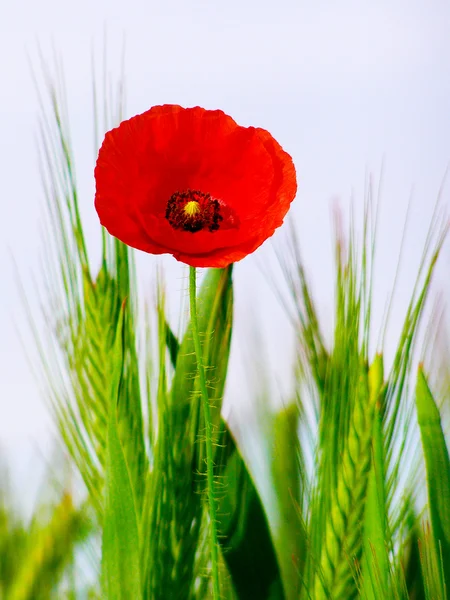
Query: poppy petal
point(169, 151)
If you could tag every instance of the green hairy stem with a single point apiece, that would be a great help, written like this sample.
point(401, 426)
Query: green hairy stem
point(208, 435)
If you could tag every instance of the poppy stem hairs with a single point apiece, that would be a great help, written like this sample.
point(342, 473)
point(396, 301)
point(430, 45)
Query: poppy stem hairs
point(208, 434)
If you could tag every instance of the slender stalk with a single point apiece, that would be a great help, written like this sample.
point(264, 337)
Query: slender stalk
point(208, 434)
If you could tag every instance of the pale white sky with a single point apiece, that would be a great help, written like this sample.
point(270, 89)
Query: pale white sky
point(340, 85)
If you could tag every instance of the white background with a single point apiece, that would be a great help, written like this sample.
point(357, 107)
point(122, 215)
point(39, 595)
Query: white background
point(341, 85)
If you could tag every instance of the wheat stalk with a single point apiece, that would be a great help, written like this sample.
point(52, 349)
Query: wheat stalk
point(342, 550)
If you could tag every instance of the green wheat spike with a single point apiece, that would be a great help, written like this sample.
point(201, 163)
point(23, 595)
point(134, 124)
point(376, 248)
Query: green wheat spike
point(48, 550)
point(342, 549)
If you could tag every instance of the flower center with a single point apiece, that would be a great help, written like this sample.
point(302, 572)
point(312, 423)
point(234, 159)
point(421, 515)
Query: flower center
point(193, 211)
point(192, 208)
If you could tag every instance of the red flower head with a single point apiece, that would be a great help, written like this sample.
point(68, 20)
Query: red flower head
point(192, 183)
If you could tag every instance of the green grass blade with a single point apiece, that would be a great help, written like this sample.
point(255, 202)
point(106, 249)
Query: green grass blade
point(215, 308)
point(175, 557)
point(173, 345)
point(438, 473)
point(289, 534)
point(342, 549)
point(215, 311)
point(375, 565)
point(211, 488)
point(375, 562)
point(411, 567)
point(120, 545)
point(244, 533)
point(33, 563)
point(84, 311)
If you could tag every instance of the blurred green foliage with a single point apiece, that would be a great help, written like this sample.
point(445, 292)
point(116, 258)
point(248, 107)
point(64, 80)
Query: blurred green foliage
point(125, 395)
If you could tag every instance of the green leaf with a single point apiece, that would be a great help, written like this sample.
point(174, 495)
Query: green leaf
point(413, 555)
point(375, 560)
point(243, 529)
point(375, 566)
point(175, 557)
point(215, 311)
point(33, 563)
point(120, 545)
point(244, 532)
point(290, 534)
point(438, 473)
point(214, 306)
point(173, 345)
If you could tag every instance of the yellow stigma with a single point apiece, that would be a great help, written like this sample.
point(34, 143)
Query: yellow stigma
point(192, 208)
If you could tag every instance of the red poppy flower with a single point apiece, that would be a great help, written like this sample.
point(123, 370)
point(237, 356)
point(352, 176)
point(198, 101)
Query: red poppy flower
point(192, 183)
